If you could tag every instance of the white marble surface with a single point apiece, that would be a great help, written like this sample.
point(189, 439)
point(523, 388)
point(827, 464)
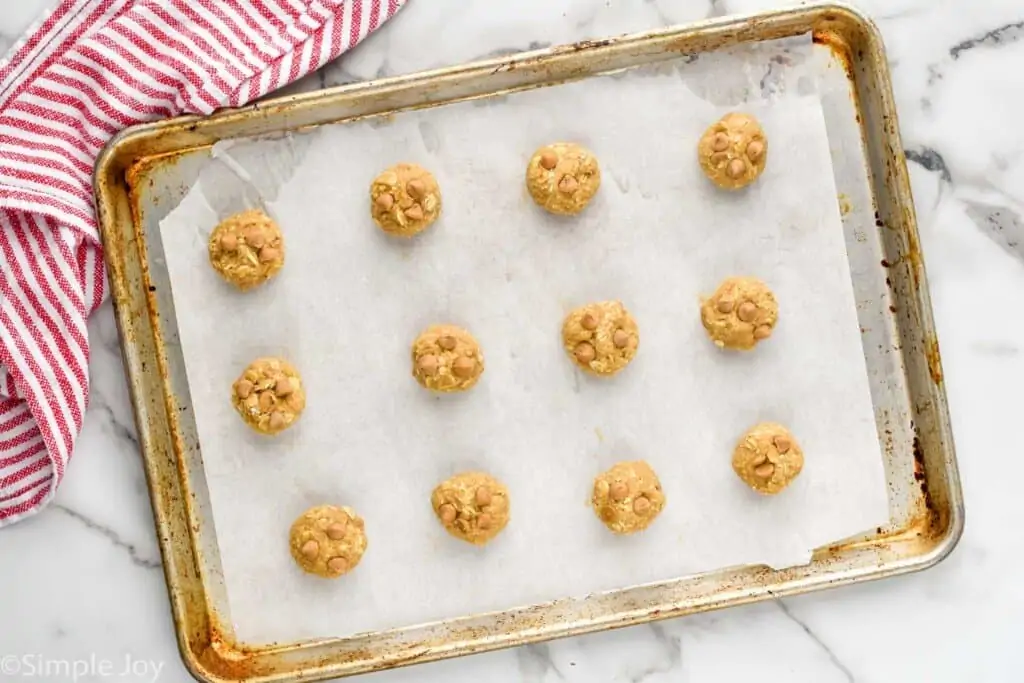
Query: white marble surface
point(82, 579)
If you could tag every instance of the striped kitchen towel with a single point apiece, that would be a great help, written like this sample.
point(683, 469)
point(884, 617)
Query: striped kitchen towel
point(87, 70)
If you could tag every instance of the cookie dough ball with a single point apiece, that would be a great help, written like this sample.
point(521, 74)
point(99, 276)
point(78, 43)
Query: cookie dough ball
point(405, 200)
point(768, 458)
point(562, 178)
point(628, 497)
point(472, 506)
point(601, 338)
point(733, 151)
point(328, 541)
point(741, 313)
point(247, 249)
point(269, 395)
point(446, 358)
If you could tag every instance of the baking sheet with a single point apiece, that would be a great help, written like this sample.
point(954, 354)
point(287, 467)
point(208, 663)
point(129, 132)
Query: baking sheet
point(350, 301)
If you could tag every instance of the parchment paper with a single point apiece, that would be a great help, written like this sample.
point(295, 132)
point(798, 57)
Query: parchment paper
point(350, 300)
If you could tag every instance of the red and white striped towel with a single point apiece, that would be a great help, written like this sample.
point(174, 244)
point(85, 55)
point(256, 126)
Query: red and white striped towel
point(87, 70)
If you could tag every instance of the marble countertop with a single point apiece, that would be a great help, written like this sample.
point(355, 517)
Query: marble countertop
point(82, 580)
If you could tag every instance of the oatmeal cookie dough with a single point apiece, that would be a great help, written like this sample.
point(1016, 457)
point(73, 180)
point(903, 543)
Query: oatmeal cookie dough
point(767, 458)
point(741, 313)
point(446, 358)
point(628, 497)
point(247, 249)
point(472, 506)
point(269, 395)
point(328, 541)
point(563, 177)
point(405, 200)
point(733, 151)
point(602, 338)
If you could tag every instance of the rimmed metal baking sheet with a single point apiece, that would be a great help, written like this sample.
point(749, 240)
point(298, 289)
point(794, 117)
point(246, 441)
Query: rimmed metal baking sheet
point(145, 170)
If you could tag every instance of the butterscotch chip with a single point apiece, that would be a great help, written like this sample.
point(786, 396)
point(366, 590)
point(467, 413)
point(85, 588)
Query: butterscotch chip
point(283, 386)
point(767, 458)
point(568, 184)
point(405, 200)
point(585, 353)
point(628, 497)
point(602, 338)
point(641, 505)
point(464, 367)
point(747, 311)
point(740, 327)
point(247, 249)
point(733, 151)
point(466, 514)
point(428, 364)
point(447, 513)
point(259, 402)
point(268, 254)
point(256, 237)
point(327, 540)
point(483, 496)
point(243, 388)
point(416, 188)
point(446, 358)
point(563, 177)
